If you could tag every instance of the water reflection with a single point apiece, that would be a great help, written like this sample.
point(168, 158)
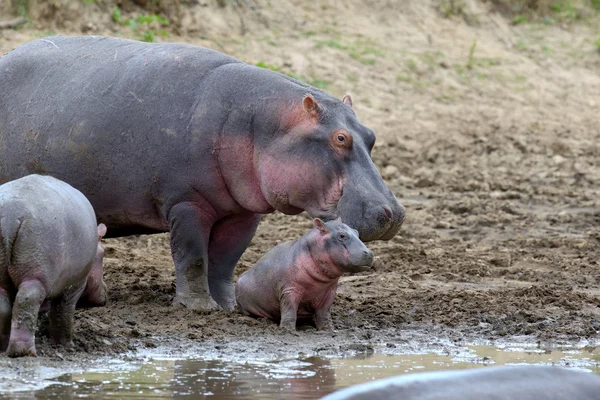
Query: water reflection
point(306, 378)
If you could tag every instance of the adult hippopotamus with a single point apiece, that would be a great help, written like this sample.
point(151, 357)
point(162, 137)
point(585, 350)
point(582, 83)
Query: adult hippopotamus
point(49, 251)
point(179, 138)
point(299, 279)
point(490, 383)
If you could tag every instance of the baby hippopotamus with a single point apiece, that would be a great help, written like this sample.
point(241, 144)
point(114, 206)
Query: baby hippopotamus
point(49, 251)
point(298, 280)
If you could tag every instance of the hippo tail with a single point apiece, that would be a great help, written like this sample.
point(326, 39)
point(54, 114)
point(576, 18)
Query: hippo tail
point(9, 228)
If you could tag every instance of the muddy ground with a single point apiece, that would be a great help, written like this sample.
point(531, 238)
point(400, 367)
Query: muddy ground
point(488, 133)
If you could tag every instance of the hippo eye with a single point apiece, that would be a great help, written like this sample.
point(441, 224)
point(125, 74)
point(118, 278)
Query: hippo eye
point(342, 139)
point(342, 236)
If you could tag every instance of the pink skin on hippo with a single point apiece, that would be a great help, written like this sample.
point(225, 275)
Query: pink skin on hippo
point(177, 138)
point(49, 251)
point(298, 280)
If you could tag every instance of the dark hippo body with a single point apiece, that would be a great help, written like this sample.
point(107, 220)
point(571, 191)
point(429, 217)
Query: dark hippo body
point(489, 383)
point(298, 280)
point(169, 137)
point(49, 250)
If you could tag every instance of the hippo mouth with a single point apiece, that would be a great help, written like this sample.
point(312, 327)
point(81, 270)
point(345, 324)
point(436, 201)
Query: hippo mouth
point(358, 268)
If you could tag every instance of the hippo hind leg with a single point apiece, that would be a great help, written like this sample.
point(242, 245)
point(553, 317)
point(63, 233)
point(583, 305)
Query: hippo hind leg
point(5, 316)
point(62, 310)
point(189, 242)
point(30, 296)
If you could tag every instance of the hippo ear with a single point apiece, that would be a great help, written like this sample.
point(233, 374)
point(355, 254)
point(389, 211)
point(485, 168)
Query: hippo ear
point(101, 231)
point(310, 105)
point(338, 219)
point(320, 225)
point(347, 100)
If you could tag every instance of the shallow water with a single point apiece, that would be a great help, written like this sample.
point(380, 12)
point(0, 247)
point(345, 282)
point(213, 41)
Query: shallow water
point(306, 378)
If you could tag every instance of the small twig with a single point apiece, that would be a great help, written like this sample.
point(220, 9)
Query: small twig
point(12, 23)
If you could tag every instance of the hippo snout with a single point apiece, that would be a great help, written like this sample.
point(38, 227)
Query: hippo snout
point(374, 220)
point(360, 260)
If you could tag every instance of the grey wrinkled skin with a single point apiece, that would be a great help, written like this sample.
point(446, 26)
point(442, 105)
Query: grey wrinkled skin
point(169, 137)
point(298, 280)
point(49, 246)
point(489, 383)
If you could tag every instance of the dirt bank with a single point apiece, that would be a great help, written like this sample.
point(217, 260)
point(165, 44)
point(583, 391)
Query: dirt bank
point(487, 132)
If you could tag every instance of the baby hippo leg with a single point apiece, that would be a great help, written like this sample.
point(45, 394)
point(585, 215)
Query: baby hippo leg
point(29, 298)
point(5, 314)
point(289, 310)
point(62, 310)
point(323, 312)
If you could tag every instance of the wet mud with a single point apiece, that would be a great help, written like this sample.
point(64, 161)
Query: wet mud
point(499, 179)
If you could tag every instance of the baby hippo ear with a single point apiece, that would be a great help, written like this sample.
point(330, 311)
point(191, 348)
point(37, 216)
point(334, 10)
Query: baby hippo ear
point(320, 225)
point(101, 231)
point(347, 100)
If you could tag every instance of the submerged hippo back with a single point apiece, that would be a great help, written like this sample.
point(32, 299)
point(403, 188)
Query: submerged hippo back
point(44, 221)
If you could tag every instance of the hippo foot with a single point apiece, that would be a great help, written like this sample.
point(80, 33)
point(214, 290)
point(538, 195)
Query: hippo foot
point(228, 305)
point(21, 349)
point(224, 295)
point(288, 327)
point(197, 304)
point(325, 326)
point(63, 342)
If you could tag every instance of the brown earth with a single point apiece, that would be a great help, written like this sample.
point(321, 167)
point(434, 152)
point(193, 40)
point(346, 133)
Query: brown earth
point(488, 132)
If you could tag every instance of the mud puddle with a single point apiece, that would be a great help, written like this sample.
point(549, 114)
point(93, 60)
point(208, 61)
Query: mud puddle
point(156, 376)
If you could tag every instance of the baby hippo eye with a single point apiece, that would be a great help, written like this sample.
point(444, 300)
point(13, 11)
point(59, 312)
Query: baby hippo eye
point(342, 236)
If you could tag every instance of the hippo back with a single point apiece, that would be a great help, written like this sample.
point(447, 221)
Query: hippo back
point(497, 383)
point(44, 221)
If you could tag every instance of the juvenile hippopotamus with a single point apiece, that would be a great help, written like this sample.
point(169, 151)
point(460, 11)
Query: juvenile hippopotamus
point(49, 250)
point(179, 138)
point(489, 383)
point(298, 279)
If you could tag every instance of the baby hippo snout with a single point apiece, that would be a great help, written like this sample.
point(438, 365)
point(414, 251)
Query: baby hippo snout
point(360, 259)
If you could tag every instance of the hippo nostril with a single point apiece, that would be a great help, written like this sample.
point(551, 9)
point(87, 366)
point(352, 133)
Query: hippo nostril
point(388, 212)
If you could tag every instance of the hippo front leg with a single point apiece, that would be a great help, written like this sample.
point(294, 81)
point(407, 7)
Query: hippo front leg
point(323, 311)
point(288, 304)
point(62, 309)
point(229, 239)
point(190, 229)
point(30, 296)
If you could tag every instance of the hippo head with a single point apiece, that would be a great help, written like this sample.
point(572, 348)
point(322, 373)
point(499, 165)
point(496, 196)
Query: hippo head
point(320, 162)
point(94, 294)
point(343, 246)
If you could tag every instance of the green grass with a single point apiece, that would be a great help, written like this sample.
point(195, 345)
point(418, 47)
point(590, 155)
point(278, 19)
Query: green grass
point(471, 58)
point(521, 45)
point(264, 65)
point(360, 50)
point(116, 15)
point(22, 7)
point(318, 83)
point(520, 19)
point(547, 49)
point(142, 24)
point(148, 36)
point(597, 44)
